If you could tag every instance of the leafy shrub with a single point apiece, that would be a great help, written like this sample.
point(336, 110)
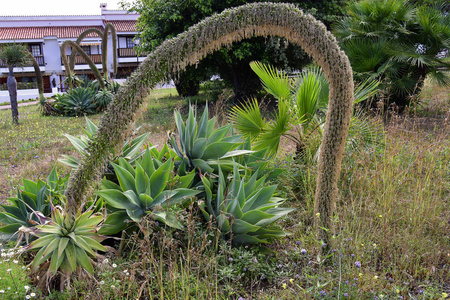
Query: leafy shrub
point(245, 209)
point(20, 86)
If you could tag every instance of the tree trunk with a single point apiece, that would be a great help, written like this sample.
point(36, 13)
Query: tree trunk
point(12, 88)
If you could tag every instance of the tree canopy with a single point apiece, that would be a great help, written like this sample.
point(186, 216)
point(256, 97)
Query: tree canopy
point(160, 20)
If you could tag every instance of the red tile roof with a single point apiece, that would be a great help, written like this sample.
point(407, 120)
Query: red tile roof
point(17, 33)
point(123, 26)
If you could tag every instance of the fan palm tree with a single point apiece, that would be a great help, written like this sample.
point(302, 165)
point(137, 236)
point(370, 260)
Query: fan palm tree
point(396, 43)
point(13, 56)
point(302, 105)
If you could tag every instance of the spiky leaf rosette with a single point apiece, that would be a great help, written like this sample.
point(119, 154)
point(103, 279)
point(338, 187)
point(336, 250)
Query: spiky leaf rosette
point(68, 244)
point(31, 206)
point(130, 150)
point(149, 187)
point(244, 208)
point(201, 145)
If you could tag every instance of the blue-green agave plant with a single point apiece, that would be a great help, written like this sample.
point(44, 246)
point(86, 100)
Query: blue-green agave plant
point(148, 187)
point(243, 207)
point(32, 206)
point(202, 146)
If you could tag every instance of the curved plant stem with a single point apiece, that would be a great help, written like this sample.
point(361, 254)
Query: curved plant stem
point(86, 58)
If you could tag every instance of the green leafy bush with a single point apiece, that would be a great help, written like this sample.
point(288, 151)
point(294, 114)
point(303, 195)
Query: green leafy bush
point(244, 208)
point(102, 99)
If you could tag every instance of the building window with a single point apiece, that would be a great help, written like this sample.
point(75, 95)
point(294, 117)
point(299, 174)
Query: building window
point(86, 49)
point(130, 42)
point(35, 50)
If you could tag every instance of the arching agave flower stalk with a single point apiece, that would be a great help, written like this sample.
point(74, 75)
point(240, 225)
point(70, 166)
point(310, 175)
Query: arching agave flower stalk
point(250, 20)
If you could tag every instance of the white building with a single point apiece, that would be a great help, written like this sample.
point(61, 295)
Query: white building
point(44, 35)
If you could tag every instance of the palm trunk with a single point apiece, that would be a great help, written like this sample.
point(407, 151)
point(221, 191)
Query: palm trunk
point(12, 88)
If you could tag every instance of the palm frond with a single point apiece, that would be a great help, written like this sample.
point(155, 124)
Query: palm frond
point(440, 77)
point(274, 81)
point(247, 119)
point(270, 138)
point(363, 132)
point(307, 90)
point(365, 90)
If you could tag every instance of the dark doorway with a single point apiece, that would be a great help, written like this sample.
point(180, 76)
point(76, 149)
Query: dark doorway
point(47, 86)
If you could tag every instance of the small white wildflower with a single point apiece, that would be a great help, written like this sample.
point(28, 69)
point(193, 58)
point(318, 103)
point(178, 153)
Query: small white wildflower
point(113, 286)
point(9, 270)
point(26, 287)
point(28, 297)
point(33, 295)
point(102, 282)
point(2, 291)
point(105, 261)
point(125, 271)
point(8, 288)
point(114, 265)
point(15, 261)
point(23, 267)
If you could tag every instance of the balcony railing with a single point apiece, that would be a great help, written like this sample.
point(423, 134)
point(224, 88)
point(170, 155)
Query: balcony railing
point(128, 52)
point(79, 60)
point(39, 59)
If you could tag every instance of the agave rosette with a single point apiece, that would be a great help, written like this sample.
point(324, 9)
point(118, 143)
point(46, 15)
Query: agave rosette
point(203, 147)
point(149, 187)
point(68, 243)
point(244, 208)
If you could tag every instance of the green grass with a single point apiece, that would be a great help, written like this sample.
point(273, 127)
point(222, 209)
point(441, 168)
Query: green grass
point(20, 101)
point(14, 281)
point(392, 218)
